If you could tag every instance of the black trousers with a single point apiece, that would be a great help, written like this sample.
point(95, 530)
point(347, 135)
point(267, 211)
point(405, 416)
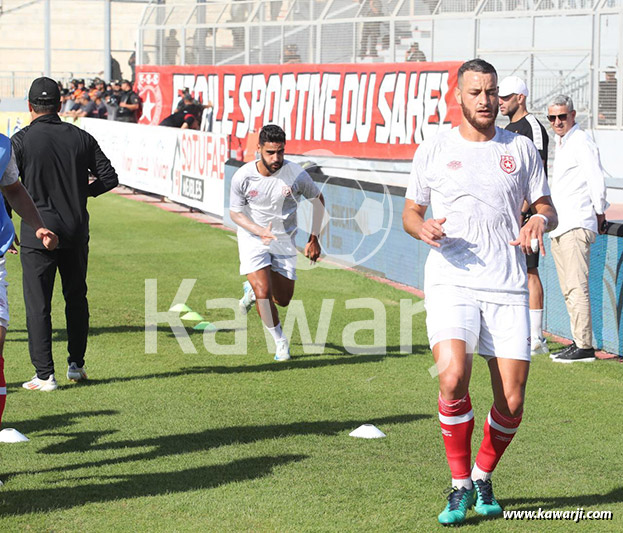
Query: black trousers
point(38, 272)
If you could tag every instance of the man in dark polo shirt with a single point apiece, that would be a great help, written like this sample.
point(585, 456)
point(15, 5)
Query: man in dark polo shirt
point(513, 94)
point(54, 160)
point(129, 104)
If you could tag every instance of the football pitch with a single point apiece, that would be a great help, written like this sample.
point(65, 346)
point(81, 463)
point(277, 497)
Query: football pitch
point(177, 441)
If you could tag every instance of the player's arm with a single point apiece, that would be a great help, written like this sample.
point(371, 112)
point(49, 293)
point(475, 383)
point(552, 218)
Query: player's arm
point(428, 231)
point(245, 222)
point(543, 220)
point(22, 204)
point(312, 248)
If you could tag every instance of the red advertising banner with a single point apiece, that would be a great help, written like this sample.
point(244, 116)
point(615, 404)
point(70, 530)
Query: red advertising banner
point(372, 111)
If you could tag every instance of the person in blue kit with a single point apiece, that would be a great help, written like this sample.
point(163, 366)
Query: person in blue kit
point(22, 203)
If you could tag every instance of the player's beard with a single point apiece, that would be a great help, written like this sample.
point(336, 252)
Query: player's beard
point(271, 168)
point(479, 123)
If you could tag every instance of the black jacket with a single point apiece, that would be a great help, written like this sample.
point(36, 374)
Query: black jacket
point(55, 160)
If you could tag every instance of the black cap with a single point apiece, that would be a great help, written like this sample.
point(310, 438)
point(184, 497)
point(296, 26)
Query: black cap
point(44, 91)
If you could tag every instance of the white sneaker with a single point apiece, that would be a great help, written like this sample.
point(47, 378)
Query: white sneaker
point(247, 301)
point(45, 385)
point(283, 350)
point(539, 347)
point(75, 373)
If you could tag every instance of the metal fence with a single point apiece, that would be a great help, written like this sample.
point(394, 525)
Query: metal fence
point(557, 46)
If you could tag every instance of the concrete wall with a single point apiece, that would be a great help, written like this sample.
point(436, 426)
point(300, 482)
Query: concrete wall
point(77, 35)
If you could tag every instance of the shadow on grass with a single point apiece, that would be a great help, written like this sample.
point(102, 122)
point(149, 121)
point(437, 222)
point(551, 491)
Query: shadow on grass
point(298, 362)
point(60, 334)
point(169, 445)
point(123, 486)
point(554, 503)
point(49, 422)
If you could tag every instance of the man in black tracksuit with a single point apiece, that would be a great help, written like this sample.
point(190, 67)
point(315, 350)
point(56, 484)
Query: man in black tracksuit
point(55, 160)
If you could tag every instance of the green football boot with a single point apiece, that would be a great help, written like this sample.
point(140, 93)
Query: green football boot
point(486, 504)
point(459, 501)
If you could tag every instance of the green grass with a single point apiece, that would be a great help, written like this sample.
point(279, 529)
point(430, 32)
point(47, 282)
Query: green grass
point(200, 442)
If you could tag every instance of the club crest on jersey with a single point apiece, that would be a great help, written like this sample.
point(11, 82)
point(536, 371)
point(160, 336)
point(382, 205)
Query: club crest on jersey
point(253, 193)
point(454, 165)
point(507, 164)
point(286, 191)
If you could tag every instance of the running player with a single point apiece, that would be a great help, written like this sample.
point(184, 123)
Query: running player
point(263, 202)
point(475, 178)
point(513, 94)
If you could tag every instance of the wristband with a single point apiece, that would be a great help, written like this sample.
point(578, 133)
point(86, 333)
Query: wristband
point(543, 217)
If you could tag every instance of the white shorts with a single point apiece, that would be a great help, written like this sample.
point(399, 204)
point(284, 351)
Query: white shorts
point(491, 329)
point(4, 301)
point(279, 255)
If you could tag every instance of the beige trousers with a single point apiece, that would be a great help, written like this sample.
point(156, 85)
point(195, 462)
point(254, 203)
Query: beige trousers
point(571, 252)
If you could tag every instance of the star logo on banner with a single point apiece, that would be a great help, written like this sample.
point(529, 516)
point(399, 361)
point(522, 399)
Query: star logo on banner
point(148, 107)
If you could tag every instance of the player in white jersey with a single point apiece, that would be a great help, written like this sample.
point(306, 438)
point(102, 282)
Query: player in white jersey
point(263, 201)
point(475, 178)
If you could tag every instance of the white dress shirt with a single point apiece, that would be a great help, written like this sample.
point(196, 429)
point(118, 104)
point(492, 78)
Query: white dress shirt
point(578, 186)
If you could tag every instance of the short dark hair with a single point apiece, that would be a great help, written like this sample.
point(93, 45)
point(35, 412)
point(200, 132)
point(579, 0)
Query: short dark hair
point(271, 133)
point(44, 109)
point(476, 65)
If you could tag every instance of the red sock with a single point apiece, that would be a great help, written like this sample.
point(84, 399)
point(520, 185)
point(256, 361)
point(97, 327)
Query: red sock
point(457, 423)
point(2, 388)
point(499, 432)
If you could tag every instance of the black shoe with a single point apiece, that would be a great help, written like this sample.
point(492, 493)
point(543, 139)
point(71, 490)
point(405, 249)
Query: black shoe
point(577, 355)
point(554, 355)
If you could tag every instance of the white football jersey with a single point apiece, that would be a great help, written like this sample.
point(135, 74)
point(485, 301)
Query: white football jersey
point(274, 198)
point(479, 187)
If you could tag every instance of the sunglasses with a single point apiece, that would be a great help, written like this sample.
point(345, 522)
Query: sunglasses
point(562, 117)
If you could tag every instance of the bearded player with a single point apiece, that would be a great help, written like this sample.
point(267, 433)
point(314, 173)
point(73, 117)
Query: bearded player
point(475, 178)
point(264, 198)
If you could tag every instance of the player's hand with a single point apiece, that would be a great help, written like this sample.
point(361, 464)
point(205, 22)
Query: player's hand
point(267, 234)
point(312, 250)
point(531, 237)
point(601, 224)
point(48, 238)
point(13, 248)
point(432, 230)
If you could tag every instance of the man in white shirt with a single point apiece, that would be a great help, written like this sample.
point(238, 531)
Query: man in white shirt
point(264, 199)
point(475, 178)
point(579, 195)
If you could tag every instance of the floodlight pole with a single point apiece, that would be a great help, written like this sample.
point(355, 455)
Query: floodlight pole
point(47, 66)
point(107, 50)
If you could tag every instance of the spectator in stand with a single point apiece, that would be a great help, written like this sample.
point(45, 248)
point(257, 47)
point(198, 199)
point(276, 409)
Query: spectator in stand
point(132, 65)
point(129, 104)
point(414, 53)
point(102, 111)
point(115, 69)
point(87, 108)
point(239, 12)
point(98, 86)
point(80, 88)
point(371, 31)
point(66, 102)
point(291, 54)
point(111, 99)
point(171, 45)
